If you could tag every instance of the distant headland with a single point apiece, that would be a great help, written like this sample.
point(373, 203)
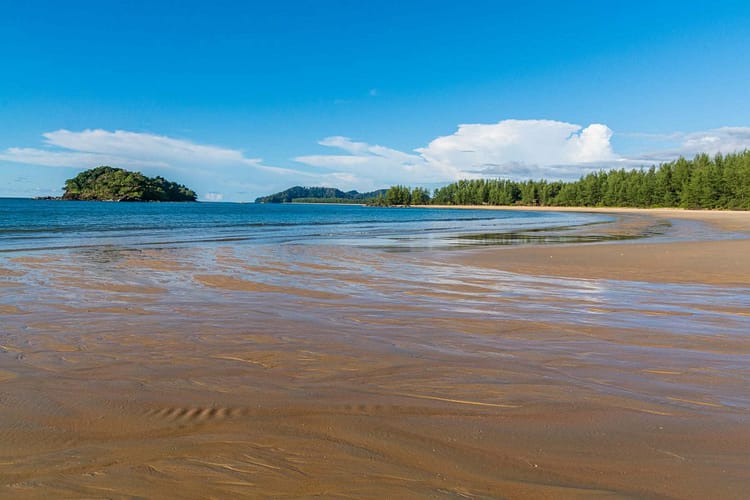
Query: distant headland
point(299, 194)
point(106, 183)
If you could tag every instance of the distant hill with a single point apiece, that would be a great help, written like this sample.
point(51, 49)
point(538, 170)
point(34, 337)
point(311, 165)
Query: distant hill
point(299, 194)
point(115, 184)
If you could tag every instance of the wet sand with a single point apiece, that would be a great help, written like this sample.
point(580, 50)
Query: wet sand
point(711, 261)
point(616, 370)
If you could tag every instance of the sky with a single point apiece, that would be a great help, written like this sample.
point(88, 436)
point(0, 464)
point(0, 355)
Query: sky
point(241, 99)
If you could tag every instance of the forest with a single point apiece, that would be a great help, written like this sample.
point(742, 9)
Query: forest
point(106, 183)
point(704, 182)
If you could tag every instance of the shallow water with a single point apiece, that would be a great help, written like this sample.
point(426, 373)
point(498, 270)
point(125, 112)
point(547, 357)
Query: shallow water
point(48, 224)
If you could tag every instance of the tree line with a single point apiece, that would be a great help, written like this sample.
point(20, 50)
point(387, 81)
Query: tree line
point(719, 182)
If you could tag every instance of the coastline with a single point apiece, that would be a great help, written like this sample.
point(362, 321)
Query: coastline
point(732, 220)
point(710, 258)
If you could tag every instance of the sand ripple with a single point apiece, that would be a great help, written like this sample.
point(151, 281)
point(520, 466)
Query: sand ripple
point(225, 373)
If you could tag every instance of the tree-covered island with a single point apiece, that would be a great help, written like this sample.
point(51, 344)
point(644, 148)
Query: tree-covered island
point(116, 184)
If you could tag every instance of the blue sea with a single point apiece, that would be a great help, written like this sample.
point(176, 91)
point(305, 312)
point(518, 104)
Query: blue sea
point(50, 224)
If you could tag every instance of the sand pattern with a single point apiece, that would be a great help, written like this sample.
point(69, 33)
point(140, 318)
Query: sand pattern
point(303, 370)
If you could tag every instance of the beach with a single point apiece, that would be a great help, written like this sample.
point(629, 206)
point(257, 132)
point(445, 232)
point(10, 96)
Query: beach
point(617, 368)
point(709, 258)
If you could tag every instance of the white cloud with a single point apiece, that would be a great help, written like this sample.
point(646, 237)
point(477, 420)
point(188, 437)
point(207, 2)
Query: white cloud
point(140, 146)
point(520, 145)
point(515, 149)
point(58, 158)
point(91, 147)
point(374, 166)
point(512, 148)
point(205, 168)
point(213, 197)
point(720, 140)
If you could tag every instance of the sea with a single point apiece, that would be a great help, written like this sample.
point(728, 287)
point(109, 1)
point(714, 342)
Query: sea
point(30, 225)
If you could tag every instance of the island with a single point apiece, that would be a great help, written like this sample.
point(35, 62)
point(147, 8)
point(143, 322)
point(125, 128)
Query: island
point(107, 183)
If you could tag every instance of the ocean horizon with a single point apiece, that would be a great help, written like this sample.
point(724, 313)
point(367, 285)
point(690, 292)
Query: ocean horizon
point(31, 225)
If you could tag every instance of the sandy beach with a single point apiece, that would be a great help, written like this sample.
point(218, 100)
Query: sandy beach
point(617, 369)
point(710, 260)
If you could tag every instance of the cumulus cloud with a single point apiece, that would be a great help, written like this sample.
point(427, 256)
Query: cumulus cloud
point(512, 148)
point(520, 147)
point(515, 149)
point(529, 142)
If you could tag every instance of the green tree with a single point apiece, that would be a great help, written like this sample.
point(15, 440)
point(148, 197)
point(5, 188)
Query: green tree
point(420, 196)
point(398, 195)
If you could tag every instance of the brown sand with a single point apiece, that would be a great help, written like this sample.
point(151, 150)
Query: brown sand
point(723, 262)
point(411, 376)
point(715, 262)
point(730, 220)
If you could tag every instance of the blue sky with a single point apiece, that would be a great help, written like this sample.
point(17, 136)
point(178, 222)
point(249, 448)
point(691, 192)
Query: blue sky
point(239, 99)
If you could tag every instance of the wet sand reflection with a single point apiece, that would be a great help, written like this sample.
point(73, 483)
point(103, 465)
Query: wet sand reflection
point(314, 370)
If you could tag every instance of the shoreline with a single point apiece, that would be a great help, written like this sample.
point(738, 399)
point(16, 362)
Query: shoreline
point(738, 220)
point(709, 258)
